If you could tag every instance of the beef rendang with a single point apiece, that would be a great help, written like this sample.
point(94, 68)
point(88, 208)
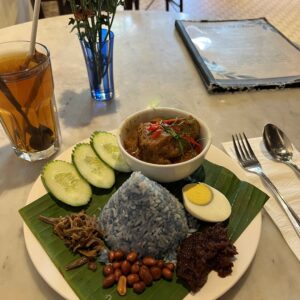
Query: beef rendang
point(165, 141)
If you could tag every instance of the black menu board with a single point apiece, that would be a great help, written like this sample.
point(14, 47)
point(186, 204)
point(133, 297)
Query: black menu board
point(237, 55)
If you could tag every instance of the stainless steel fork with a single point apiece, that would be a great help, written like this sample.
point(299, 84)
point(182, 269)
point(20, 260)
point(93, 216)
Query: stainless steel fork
point(250, 163)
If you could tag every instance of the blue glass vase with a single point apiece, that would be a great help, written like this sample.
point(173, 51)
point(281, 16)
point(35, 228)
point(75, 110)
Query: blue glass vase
point(99, 63)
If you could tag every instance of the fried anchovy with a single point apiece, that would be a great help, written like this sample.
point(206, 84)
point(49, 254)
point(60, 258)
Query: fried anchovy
point(48, 220)
point(76, 263)
point(81, 234)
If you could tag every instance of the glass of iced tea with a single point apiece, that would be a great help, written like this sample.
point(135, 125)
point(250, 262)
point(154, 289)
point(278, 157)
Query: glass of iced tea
point(27, 105)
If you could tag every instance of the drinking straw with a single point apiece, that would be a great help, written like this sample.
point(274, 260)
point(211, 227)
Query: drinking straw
point(36, 12)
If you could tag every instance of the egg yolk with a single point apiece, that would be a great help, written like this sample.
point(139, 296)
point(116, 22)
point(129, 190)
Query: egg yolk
point(199, 194)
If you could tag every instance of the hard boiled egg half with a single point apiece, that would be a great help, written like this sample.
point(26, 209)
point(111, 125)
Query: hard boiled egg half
point(205, 203)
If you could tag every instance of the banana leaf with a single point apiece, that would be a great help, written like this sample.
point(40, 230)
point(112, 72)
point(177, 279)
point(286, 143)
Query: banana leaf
point(246, 201)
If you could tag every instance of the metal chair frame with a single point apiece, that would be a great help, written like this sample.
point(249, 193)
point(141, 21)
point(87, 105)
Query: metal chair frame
point(180, 4)
point(128, 4)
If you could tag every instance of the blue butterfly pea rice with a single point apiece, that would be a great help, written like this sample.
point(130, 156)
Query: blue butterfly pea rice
point(145, 217)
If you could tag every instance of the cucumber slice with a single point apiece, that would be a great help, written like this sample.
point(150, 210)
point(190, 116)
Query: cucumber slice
point(106, 146)
point(63, 181)
point(91, 167)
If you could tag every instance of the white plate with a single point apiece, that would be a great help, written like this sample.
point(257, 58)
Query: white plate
point(215, 286)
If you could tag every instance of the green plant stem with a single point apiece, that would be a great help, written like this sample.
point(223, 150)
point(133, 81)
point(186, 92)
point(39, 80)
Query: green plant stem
point(90, 18)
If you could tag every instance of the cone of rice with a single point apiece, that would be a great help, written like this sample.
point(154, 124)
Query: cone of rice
point(145, 217)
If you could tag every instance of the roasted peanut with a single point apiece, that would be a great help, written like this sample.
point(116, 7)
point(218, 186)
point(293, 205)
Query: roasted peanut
point(149, 261)
point(167, 274)
point(160, 263)
point(119, 255)
point(111, 256)
point(155, 272)
point(145, 275)
point(117, 274)
point(107, 270)
point(125, 267)
point(92, 265)
point(132, 278)
point(135, 268)
point(116, 265)
point(139, 287)
point(132, 256)
point(108, 281)
point(170, 266)
point(121, 287)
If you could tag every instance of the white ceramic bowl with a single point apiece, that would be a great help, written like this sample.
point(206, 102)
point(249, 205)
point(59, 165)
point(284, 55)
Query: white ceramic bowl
point(162, 173)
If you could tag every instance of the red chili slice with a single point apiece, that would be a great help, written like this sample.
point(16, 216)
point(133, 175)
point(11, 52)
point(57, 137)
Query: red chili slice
point(197, 146)
point(169, 121)
point(153, 127)
point(156, 134)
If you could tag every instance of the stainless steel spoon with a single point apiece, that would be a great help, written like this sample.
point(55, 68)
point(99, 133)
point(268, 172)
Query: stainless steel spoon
point(279, 146)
